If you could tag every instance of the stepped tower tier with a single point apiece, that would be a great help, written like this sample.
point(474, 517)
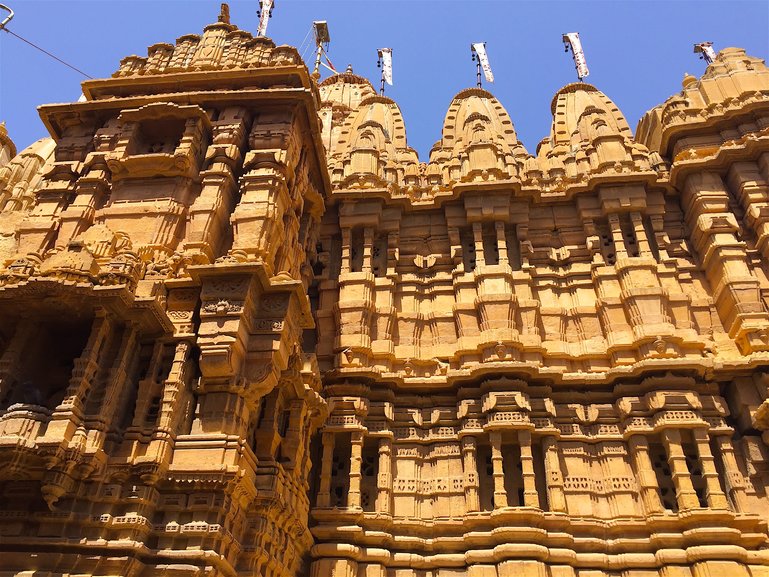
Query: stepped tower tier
point(156, 256)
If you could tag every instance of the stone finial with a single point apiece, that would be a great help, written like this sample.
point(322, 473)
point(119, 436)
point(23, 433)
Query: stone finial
point(349, 69)
point(688, 79)
point(224, 13)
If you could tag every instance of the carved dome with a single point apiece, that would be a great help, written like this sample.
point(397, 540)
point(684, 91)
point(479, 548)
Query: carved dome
point(580, 112)
point(476, 110)
point(589, 135)
point(478, 126)
point(372, 141)
point(19, 180)
point(347, 89)
point(19, 176)
point(340, 95)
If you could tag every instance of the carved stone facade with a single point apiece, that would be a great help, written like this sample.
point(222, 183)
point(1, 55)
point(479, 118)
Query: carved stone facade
point(244, 331)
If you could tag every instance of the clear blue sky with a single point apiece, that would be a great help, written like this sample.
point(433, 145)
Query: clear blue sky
point(637, 51)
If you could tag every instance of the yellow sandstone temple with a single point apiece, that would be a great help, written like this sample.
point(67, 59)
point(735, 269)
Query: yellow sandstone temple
point(244, 331)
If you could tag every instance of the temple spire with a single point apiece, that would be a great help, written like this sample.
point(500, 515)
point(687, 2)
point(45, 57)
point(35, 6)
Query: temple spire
point(224, 13)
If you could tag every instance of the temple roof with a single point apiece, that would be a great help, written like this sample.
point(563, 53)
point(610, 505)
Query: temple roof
point(476, 109)
point(731, 84)
point(570, 107)
point(347, 88)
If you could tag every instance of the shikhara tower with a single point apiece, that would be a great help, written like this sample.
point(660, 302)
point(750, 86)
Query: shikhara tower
point(244, 331)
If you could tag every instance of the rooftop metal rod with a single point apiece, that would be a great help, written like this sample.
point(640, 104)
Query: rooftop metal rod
point(7, 18)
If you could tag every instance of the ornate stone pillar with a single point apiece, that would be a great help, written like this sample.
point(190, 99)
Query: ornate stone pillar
point(715, 495)
point(685, 494)
point(256, 220)
point(499, 226)
point(640, 234)
point(647, 480)
point(384, 477)
point(735, 484)
point(327, 460)
point(556, 497)
point(346, 250)
point(368, 246)
point(118, 374)
point(480, 259)
point(356, 450)
point(86, 365)
point(616, 233)
point(470, 466)
point(530, 495)
point(500, 495)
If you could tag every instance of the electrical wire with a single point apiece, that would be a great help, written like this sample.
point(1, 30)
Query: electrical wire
point(46, 52)
point(305, 39)
point(306, 44)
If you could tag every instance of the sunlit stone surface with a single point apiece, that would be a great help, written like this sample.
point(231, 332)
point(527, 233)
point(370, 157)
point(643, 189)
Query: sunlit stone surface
point(245, 331)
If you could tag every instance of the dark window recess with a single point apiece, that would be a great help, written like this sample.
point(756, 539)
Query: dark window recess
point(607, 245)
point(694, 466)
point(49, 357)
point(667, 489)
point(262, 412)
point(513, 247)
point(490, 245)
point(158, 136)
point(340, 471)
point(511, 465)
point(310, 336)
point(316, 457)
point(139, 370)
point(285, 419)
point(152, 411)
point(356, 250)
point(485, 478)
point(721, 470)
point(368, 482)
point(318, 266)
point(379, 260)
point(540, 475)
